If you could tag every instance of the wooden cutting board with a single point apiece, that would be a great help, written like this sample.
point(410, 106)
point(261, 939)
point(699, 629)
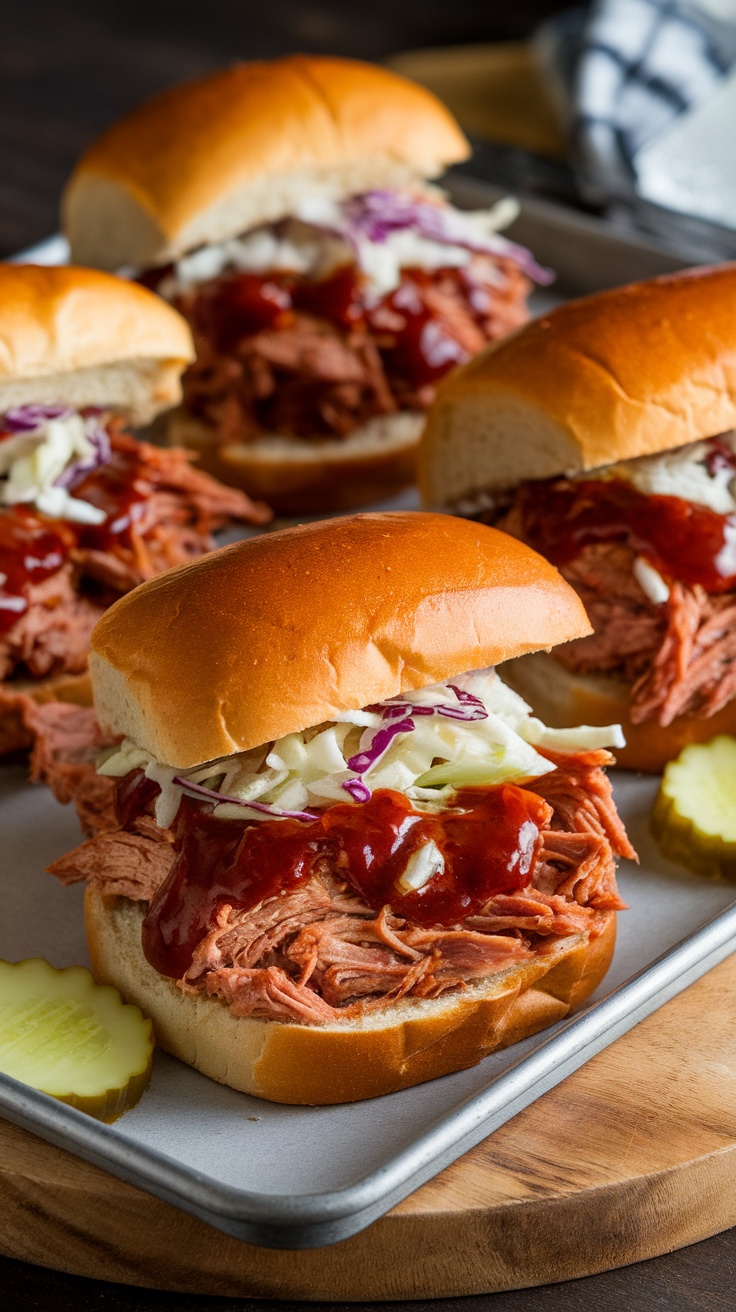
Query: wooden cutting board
point(631, 1157)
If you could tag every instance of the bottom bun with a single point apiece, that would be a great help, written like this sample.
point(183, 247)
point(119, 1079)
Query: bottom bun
point(297, 475)
point(406, 1043)
point(563, 699)
point(16, 735)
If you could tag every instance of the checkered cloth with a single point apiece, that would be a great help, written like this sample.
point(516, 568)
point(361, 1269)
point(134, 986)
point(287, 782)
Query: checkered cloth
point(627, 74)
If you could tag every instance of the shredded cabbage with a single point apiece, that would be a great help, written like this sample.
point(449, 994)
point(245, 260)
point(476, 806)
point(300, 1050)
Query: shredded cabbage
point(425, 754)
point(383, 231)
point(50, 451)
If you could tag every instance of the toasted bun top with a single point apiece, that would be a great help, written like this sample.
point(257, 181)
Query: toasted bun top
point(628, 372)
point(205, 161)
point(286, 630)
point(87, 338)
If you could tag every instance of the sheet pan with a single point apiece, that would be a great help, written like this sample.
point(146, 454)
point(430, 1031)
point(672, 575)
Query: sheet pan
point(293, 1177)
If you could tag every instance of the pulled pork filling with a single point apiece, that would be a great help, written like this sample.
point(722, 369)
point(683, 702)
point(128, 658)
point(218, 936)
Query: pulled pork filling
point(109, 514)
point(282, 354)
point(57, 576)
point(329, 945)
point(313, 326)
point(656, 572)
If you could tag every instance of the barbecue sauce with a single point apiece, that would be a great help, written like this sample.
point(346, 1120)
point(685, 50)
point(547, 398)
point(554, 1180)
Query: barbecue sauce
point(114, 488)
point(31, 550)
point(32, 547)
point(417, 346)
point(681, 539)
point(490, 842)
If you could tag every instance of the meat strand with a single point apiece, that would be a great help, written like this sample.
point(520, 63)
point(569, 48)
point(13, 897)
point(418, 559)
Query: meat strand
point(320, 953)
point(177, 509)
point(309, 376)
point(679, 658)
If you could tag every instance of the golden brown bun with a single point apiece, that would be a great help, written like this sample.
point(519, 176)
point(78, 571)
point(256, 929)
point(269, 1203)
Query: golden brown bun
point(289, 629)
point(15, 736)
point(563, 699)
point(625, 373)
point(297, 475)
point(86, 338)
point(406, 1044)
point(208, 160)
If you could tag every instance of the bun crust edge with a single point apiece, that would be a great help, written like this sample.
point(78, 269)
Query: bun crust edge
point(318, 1065)
point(625, 373)
point(86, 338)
point(187, 665)
point(208, 159)
point(297, 475)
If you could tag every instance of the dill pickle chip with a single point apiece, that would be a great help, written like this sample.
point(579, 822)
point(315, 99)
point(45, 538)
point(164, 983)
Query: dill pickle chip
point(74, 1039)
point(694, 815)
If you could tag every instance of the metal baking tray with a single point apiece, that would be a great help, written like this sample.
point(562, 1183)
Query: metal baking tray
point(297, 1177)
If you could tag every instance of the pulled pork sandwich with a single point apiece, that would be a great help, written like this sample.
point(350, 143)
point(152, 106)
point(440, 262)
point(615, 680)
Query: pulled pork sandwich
point(86, 511)
point(335, 863)
point(283, 208)
point(603, 436)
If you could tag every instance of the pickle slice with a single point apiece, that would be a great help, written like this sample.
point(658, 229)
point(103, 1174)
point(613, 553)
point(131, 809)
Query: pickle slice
point(73, 1039)
point(694, 816)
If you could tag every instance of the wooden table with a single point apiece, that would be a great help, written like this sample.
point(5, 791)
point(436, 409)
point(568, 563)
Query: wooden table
point(68, 69)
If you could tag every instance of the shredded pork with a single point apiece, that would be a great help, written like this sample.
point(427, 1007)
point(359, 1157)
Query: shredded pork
point(679, 658)
point(311, 377)
point(320, 952)
point(176, 511)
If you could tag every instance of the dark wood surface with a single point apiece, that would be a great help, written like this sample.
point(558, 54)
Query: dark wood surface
point(68, 68)
point(697, 1279)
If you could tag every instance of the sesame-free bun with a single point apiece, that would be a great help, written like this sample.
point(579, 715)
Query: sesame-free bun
point(563, 699)
point(296, 476)
point(393, 1048)
point(287, 630)
point(86, 338)
point(205, 161)
point(628, 372)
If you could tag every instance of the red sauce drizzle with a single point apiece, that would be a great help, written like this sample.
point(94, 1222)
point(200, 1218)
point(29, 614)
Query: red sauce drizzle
point(114, 488)
point(31, 550)
point(421, 348)
point(681, 539)
point(415, 343)
point(134, 795)
point(490, 844)
point(32, 547)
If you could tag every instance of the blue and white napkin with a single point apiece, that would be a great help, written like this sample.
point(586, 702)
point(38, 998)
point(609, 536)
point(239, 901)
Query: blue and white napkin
point(647, 89)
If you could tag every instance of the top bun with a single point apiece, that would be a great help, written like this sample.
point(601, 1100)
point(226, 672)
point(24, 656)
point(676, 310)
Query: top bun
point(211, 159)
point(85, 338)
point(287, 630)
point(628, 372)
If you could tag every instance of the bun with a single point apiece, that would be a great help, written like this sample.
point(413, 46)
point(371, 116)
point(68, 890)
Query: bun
point(405, 1044)
point(563, 699)
point(287, 630)
point(87, 338)
point(15, 735)
point(625, 373)
point(205, 161)
point(298, 476)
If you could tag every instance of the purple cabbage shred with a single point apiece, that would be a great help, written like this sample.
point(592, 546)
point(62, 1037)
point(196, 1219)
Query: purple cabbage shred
point(74, 473)
point(27, 418)
point(359, 791)
point(380, 741)
point(376, 214)
point(209, 793)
